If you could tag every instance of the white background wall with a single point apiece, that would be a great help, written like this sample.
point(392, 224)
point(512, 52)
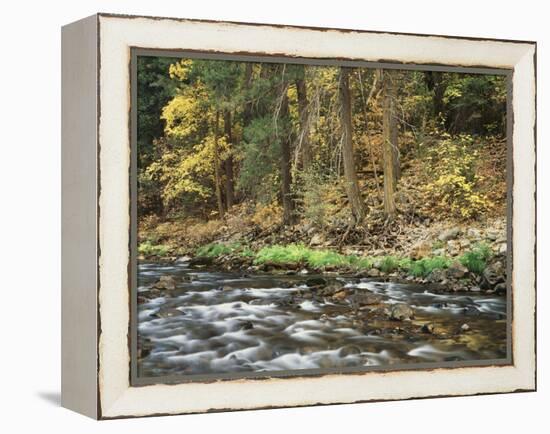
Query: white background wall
point(30, 216)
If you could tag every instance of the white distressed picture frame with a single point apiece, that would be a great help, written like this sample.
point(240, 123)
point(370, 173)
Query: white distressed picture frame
point(96, 218)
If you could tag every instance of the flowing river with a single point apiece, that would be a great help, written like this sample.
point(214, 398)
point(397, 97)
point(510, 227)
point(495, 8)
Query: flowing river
point(223, 322)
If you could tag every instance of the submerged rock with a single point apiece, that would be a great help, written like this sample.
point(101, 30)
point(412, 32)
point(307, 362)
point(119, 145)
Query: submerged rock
point(464, 327)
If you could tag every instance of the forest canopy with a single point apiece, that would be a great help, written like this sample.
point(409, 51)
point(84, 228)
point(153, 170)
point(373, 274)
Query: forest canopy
point(323, 145)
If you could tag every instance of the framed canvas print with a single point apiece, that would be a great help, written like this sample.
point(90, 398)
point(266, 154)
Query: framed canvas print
point(260, 216)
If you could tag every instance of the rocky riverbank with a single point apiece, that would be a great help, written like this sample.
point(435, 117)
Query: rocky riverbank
point(455, 259)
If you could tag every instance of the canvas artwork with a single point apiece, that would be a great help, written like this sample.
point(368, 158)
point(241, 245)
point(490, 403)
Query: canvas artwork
point(261, 216)
point(310, 217)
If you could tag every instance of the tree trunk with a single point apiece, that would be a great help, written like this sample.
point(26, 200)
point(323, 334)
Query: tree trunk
point(228, 163)
point(217, 177)
point(434, 82)
point(286, 179)
point(390, 151)
point(301, 91)
point(352, 184)
point(247, 111)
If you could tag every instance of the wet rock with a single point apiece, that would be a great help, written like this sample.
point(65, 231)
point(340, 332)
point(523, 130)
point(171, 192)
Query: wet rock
point(316, 281)
point(182, 259)
point(475, 289)
point(449, 234)
point(247, 325)
point(201, 261)
point(401, 312)
point(464, 327)
point(456, 270)
point(165, 282)
point(332, 288)
point(427, 328)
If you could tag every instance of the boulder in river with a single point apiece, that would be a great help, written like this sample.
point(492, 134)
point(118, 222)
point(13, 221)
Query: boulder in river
point(165, 282)
point(361, 299)
point(401, 312)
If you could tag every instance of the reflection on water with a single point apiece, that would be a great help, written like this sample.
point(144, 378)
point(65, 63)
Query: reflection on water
point(219, 322)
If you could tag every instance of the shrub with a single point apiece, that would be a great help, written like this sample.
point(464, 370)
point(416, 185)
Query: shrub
point(389, 264)
point(476, 259)
point(453, 188)
point(268, 215)
point(319, 197)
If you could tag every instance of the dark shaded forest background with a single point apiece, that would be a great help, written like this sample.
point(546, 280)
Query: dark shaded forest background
point(326, 156)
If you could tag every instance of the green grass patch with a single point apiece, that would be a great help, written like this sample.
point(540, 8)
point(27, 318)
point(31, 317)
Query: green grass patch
point(423, 267)
point(300, 254)
point(476, 259)
point(147, 248)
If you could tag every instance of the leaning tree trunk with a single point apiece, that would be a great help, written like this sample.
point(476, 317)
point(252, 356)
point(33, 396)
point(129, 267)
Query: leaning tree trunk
point(217, 177)
point(352, 184)
point(286, 178)
point(228, 163)
point(390, 150)
point(301, 91)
